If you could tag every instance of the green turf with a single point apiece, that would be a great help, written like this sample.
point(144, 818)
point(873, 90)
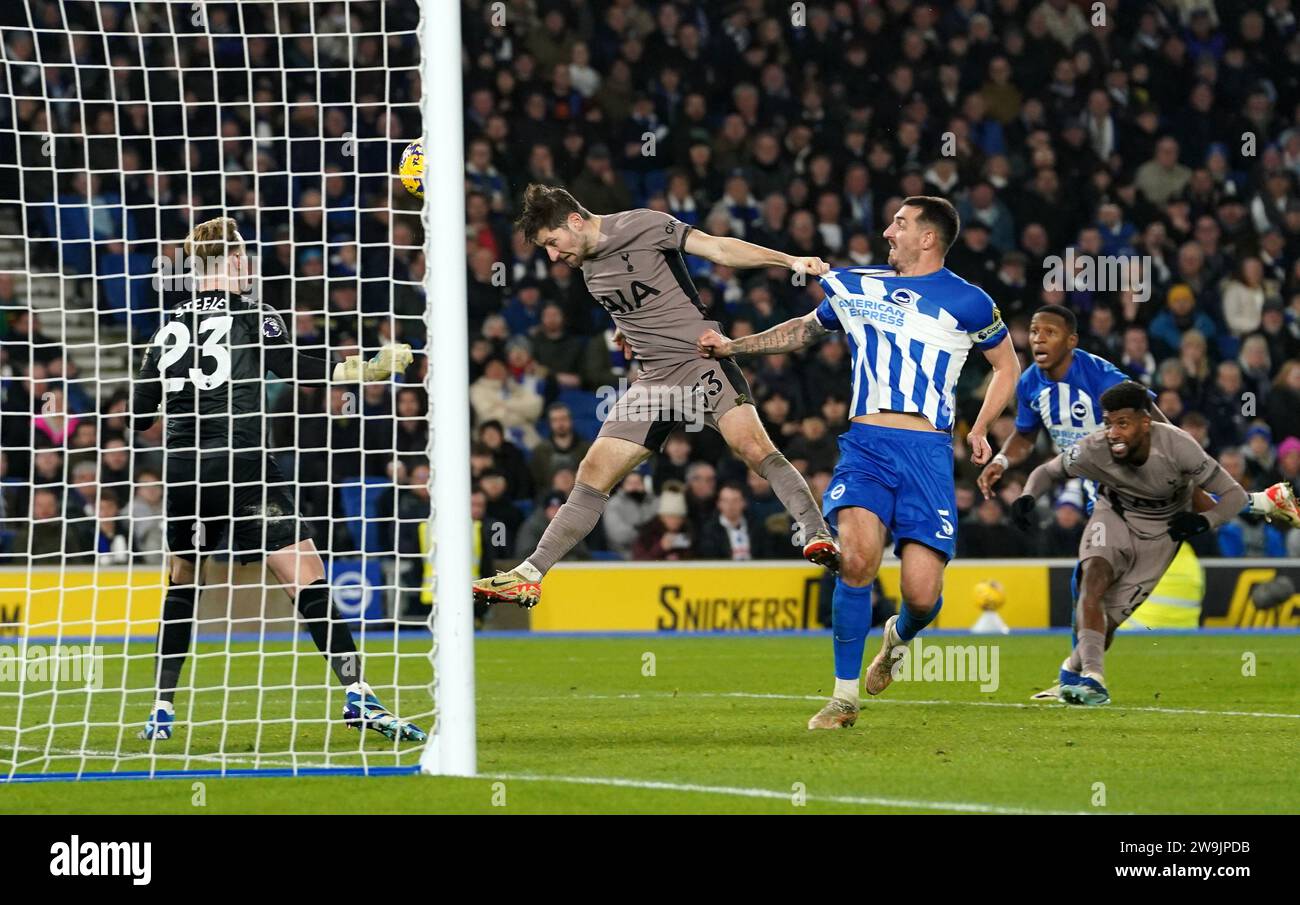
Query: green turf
point(584, 709)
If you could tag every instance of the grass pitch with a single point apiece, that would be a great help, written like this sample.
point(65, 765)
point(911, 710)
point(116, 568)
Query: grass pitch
point(671, 724)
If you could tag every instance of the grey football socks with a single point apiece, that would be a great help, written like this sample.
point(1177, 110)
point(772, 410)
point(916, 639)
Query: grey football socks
point(571, 524)
point(792, 490)
point(1092, 646)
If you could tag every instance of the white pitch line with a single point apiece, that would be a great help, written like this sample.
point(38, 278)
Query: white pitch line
point(775, 794)
point(1019, 706)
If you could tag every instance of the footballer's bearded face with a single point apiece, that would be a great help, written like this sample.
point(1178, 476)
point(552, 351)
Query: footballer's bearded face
point(905, 237)
point(565, 243)
point(1050, 340)
point(1128, 434)
point(902, 238)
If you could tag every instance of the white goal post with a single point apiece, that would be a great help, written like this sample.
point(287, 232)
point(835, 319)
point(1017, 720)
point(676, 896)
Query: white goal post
point(452, 746)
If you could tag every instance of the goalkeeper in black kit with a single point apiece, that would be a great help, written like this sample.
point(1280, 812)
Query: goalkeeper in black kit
point(206, 364)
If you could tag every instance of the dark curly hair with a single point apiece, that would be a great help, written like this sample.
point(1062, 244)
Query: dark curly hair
point(547, 207)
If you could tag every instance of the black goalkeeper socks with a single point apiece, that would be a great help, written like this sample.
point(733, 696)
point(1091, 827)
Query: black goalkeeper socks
point(332, 636)
point(174, 634)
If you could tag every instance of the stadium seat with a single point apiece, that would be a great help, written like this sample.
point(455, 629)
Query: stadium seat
point(361, 507)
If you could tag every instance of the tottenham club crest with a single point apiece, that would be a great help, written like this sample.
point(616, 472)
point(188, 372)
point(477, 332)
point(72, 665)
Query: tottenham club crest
point(271, 328)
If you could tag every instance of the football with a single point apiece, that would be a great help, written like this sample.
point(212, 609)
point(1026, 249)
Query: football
point(411, 168)
point(988, 595)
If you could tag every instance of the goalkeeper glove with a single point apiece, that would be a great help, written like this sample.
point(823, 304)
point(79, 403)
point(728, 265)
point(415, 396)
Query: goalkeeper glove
point(1187, 524)
point(392, 359)
point(1021, 509)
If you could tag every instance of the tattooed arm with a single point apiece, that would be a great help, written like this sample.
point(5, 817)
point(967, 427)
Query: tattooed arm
point(795, 333)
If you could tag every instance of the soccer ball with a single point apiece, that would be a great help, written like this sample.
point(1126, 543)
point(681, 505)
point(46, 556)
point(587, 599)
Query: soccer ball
point(989, 595)
point(411, 168)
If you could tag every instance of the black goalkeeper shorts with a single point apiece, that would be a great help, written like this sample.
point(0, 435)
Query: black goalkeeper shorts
point(204, 505)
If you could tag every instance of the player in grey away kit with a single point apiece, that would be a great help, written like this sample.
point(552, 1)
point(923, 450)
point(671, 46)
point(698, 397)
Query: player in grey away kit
point(1146, 472)
point(207, 365)
point(633, 265)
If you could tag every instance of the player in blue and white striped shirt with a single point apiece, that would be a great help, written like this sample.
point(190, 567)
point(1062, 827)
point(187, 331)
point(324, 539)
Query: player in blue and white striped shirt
point(910, 328)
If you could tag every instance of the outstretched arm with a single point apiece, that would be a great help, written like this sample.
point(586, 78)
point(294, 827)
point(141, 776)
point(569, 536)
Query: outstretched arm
point(1044, 476)
point(1040, 480)
point(745, 255)
point(796, 333)
point(287, 362)
point(1013, 452)
point(283, 358)
point(1002, 389)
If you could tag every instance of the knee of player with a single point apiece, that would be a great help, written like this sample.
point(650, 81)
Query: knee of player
point(755, 452)
point(921, 595)
point(856, 568)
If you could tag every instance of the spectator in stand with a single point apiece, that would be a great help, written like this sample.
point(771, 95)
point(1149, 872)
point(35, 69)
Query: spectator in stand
point(1288, 460)
point(1137, 361)
point(701, 493)
point(1162, 177)
point(1283, 410)
point(733, 534)
point(145, 516)
point(1179, 316)
point(562, 449)
point(668, 536)
point(1061, 538)
point(630, 509)
point(559, 353)
point(508, 460)
point(1244, 294)
point(989, 534)
point(516, 406)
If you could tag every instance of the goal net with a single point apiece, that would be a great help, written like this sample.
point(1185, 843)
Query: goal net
point(122, 127)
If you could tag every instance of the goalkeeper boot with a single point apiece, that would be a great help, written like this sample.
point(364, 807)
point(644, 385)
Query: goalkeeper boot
point(1089, 690)
point(822, 550)
point(837, 714)
point(881, 671)
point(159, 726)
point(1282, 507)
point(363, 711)
point(509, 587)
point(1066, 676)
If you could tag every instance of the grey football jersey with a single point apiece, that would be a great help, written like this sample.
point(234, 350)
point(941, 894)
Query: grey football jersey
point(638, 274)
point(1147, 495)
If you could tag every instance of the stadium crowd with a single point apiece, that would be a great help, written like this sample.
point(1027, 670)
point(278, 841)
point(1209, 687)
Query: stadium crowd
point(1165, 131)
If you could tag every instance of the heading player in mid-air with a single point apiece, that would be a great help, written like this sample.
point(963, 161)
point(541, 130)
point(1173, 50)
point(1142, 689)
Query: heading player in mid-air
point(1146, 472)
point(208, 361)
point(910, 329)
point(1062, 393)
point(632, 264)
